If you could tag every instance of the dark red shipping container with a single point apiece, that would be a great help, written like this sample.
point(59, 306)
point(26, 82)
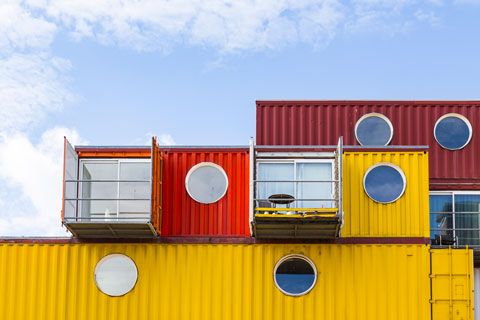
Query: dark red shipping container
point(183, 216)
point(322, 122)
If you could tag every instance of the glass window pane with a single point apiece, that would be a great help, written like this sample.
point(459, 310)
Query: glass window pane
point(135, 170)
point(373, 131)
point(441, 224)
point(99, 190)
point(275, 171)
point(70, 193)
point(384, 184)
point(469, 222)
point(314, 190)
point(71, 173)
point(295, 276)
point(206, 183)
point(135, 190)
point(452, 132)
point(115, 274)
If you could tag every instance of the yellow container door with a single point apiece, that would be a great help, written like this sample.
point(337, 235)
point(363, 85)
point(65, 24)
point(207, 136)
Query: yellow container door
point(452, 284)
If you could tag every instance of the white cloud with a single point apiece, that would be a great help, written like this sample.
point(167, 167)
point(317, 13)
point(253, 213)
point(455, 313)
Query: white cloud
point(428, 17)
point(230, 26)
point(165, 139)
point(388, 17)
point(30, 86)
point(33, 175)
point(20, 29)
point(227, 25)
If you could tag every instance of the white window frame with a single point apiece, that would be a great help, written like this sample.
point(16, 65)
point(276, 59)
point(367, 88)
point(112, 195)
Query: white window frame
point(295, 161)
point(451, 193)
point(117, 161)
point(378, 115)
point(461, 117)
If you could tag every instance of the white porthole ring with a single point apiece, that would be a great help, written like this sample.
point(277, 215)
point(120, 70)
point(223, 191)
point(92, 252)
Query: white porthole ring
point(295, 256)
point(461, 117)
point(378, 115)
point(130, 278)
point(388, 164)
point(200, 165)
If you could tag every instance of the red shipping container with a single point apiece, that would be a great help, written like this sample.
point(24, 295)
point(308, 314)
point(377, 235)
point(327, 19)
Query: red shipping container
point(183, 216)
point(322, 122)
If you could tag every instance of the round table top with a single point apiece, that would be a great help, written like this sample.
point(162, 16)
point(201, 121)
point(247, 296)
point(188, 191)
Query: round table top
point(281, 198)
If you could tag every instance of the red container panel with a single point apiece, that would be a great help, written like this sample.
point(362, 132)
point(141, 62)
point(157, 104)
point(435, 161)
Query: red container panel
point(322, 122)
point(183, 216)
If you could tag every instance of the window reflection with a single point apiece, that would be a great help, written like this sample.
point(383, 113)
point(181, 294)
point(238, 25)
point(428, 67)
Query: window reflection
point(441, 224)
point(454, 219)
point(452, 132)
point(466, 225)
point(295, 276)
point(373, 131)
point(384, 184)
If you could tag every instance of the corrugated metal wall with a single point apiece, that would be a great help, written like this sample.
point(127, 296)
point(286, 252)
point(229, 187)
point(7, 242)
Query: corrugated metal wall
point(183, 216)
point(322, 122)
point(406, 217)
point(215, 282)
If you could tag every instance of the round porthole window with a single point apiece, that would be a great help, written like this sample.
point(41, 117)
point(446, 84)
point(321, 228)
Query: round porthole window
point(374, 129)
point(206, 182)
point(384, 182)
point(115, 274)
point(295, 275)
point(453, 131)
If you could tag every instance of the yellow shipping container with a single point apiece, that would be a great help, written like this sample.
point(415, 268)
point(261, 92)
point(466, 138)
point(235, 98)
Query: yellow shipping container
point(406, 217)
point(215, 281)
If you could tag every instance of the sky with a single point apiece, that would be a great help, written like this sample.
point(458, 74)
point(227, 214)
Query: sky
point(111, 72)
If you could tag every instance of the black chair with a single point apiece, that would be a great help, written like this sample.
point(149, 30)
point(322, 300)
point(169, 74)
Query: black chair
point(444, 240)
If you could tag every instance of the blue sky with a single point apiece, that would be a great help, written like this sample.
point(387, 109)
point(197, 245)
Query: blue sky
point(110, 72)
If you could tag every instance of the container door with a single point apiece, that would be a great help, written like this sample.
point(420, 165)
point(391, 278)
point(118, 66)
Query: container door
point(476, 293)
point(70, 184)
point(452, 284)
point(157, 165)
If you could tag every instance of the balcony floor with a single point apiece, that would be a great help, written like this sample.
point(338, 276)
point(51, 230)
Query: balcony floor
point(112, 229)
point(282, 226)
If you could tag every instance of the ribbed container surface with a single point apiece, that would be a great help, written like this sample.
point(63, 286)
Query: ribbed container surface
point(183, 216)
point(214, 282)
point(406, 217)
point(322, 122)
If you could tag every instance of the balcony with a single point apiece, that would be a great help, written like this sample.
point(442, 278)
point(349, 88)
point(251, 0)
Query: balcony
point(296, 193)
point(112, 197)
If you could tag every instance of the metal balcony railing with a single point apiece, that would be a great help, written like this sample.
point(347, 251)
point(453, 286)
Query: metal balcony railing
point(80, 207)
point(455, 229)
point(283, 203)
